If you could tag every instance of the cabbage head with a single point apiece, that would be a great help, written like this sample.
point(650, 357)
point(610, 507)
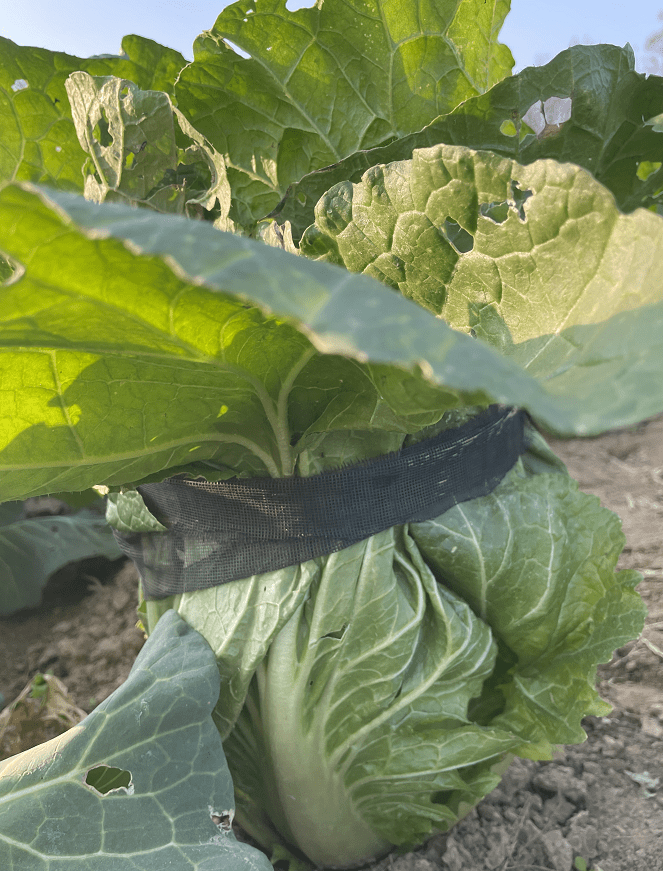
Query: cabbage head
point(372, 697)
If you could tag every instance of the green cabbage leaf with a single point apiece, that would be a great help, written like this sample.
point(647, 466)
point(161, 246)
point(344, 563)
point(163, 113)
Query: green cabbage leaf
point(34, 548)
point(140, 783)
point(321, 83)
point(587, 106)
point(380, 691)
point(38, 140)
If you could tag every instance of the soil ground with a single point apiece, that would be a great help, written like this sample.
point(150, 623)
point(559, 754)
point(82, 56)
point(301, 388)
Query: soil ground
point(599, 803)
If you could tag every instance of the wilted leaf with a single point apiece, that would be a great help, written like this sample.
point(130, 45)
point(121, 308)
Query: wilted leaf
point(37, 137)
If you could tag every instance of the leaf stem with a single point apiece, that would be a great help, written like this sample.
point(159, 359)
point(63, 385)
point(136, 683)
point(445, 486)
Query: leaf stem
point(283, 430)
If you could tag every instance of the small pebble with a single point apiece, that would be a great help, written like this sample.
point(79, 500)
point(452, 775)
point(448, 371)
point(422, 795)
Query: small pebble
point(651, 726)
point(558, 810)
point(558, 849)
point(657, 711)
point(560, 779)
point(488, 812)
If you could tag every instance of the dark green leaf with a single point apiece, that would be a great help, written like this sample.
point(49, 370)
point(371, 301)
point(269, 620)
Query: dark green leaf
point(609, 131)
point(322, 83)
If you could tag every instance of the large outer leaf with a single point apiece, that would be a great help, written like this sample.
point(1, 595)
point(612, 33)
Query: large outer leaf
point(324, 82)
point(536, 560)
point(535, 260)
point(116, 367)
point(607, 132)
point(157, 727)
point(37, 137)
point(32, 550)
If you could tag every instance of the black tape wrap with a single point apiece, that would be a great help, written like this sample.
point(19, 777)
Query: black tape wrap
point(228, 530)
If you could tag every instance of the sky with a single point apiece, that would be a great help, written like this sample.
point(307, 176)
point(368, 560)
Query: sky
point(535, 30)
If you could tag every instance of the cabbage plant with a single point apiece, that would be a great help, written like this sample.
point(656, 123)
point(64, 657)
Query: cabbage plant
point(365, 232)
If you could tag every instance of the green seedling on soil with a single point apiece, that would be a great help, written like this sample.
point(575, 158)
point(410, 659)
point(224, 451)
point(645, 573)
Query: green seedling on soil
point(364, 232)
point(581, 865)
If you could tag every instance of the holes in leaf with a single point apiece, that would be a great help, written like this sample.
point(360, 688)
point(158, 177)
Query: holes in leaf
point(101, 131)
point(647, 168)
point(515, 126)
point(508, 128)
point(104, 779)
point(222, 819)
point(90, 169)
point(547, 119)
point(520, 197)
point(337, 633)
point(461, 240)
point(9, 270)
point(499, 212)
point(236, 48)
point(20, 85)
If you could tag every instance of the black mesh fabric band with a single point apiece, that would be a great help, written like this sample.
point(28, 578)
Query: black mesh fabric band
point(228, 530)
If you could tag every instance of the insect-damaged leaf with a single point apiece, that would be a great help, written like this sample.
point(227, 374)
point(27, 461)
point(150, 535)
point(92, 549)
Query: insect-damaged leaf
point(139, 783)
